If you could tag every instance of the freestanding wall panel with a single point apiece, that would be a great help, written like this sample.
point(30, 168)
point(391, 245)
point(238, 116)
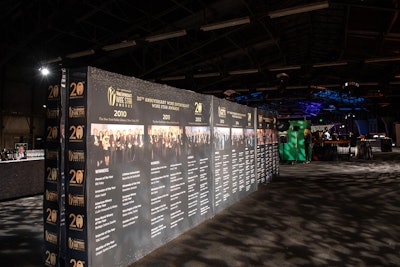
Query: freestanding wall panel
point(144, 163)
point(233, 152)
point(54, 180)
point(267, 146)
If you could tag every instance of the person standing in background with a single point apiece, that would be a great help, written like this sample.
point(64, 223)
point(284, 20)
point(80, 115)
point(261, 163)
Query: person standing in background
point(327, 135)
point(21, 152)
point(307, 145)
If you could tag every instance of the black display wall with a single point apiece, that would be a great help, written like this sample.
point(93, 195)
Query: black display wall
point(54, 180)
point(267, 146)
point(146, 162)
point(152, 176)
point(234, 173)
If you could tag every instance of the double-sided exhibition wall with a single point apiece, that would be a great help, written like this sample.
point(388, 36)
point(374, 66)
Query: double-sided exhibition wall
point(151, 169)
point(233, 152)
point(144, 163)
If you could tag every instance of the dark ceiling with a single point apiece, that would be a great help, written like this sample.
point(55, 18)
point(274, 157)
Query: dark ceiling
point(259, 58)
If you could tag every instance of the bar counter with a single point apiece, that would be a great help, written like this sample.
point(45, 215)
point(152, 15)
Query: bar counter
point(331, 149)
point(19, 178)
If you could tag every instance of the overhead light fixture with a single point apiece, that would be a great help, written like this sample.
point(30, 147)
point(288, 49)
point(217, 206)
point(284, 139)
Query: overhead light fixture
point(298, 9)
point(383, 59)
point(53, 60)
point(81, 54)
point(212, 92)
point(165, 36)
point(394, 82)
point(44, 71)
point(248, 71)
point(206, 75)
point(318, 87)
point(329, 64)
point(173, 78)
point(297, 87)
point(230, 92)
point(330, 85)
point(267, 88)
point(369, 84)
point(225, 24)
point(242, 90)
point(121, 45)
point(295, 67)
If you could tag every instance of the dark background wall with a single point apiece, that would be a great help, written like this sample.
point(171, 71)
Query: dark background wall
point(22, 98)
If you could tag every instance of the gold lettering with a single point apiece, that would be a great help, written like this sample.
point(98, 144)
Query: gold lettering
point(50, 237)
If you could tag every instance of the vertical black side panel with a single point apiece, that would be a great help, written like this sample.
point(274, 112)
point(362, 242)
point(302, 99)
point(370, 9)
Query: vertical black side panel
point(75, 169)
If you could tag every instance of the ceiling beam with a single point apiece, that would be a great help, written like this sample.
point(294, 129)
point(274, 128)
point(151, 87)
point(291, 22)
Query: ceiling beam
point(367, 6)
point(395, 16)
point(187, 52)
point(29, 37)
point(346, 32)
point(298, 9)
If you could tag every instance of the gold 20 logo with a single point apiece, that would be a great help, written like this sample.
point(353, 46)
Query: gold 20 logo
point(77, 221)
point(198, 108)
point(53, 92)
point(51, 258)
point(52, 215)
point(52, 174)
point(76, 89)
point(76, 132)
point(77, 176)
point(52, 132)
point(77, 263)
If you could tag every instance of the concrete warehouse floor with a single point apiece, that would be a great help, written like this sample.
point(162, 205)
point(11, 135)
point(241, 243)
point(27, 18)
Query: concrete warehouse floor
point(343, 213)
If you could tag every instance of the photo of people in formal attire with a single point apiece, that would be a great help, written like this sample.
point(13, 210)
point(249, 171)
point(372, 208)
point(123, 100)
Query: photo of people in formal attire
point(222, 138)
point(268, 133)
point(112, 144)
point(237, 138)
point(198, 138)
point(261, 138)
point(249, 138)
point(165, 142)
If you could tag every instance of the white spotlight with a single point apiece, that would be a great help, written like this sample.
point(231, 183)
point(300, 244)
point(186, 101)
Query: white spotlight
point(44, 71)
